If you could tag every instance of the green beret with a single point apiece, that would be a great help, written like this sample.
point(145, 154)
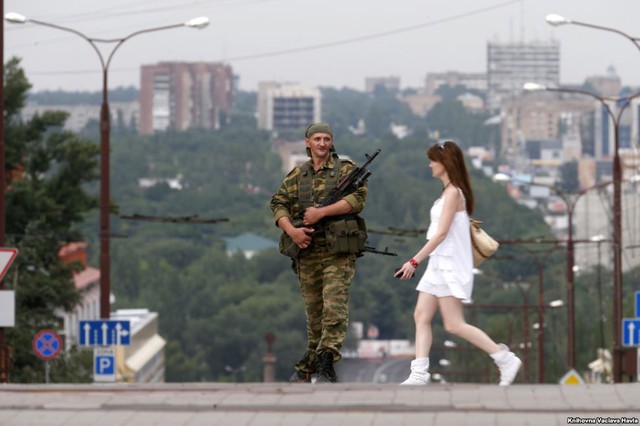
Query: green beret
point(320, 127)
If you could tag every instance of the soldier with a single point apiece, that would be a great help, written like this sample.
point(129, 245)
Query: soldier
point(324, 272)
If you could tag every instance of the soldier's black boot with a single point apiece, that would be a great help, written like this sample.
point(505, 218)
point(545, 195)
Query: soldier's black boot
point(304, 369)
point(300, 377)
point(326, 373)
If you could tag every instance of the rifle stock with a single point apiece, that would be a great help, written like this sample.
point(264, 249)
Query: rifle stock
point(386, 251)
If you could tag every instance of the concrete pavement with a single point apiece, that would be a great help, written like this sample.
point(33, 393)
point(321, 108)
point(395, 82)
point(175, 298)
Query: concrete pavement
point(350, 404)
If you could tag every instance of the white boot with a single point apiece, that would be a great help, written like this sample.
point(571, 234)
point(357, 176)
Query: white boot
point(419, 373)
point(508, 364)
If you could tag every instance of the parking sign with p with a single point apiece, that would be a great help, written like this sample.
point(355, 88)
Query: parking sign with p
point(104, 364)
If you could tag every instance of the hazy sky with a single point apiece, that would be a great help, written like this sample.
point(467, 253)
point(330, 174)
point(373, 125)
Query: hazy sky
point(315, 42)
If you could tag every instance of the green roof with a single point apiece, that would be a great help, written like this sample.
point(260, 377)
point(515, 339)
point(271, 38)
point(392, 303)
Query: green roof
point(249, 241)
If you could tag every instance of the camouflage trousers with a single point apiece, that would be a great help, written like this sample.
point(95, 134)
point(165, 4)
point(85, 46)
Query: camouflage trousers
point(324, 285)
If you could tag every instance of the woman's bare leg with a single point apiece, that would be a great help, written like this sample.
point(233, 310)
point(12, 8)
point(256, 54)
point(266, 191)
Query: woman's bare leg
point(426, 307)
point(453, 317)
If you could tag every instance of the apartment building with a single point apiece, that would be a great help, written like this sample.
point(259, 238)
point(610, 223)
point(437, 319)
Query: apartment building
point(544, 116)
point(183, 95)
point(510, 65)
point(287, 106)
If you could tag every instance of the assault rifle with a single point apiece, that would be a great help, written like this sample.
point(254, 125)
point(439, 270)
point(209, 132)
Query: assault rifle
point(351, 183)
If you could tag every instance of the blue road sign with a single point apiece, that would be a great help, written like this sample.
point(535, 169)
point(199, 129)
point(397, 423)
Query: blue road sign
point(631, 332)
point(104, 364)
point(47, 344)
point(105, 333)
point(637, 304)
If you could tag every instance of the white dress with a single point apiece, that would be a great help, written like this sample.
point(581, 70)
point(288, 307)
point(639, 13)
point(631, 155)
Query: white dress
point(450, 268)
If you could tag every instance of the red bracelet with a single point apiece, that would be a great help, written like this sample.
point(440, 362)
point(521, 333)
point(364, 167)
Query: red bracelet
point(413, 263)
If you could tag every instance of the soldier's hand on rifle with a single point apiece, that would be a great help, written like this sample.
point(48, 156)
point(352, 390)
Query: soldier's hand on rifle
point(312, 215)
point(301, 236)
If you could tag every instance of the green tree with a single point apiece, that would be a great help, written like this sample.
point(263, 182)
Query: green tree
point(453, 121)
point(46, 169)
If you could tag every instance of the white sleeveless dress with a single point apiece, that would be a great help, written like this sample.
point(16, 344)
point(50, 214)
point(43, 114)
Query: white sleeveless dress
point(450, 268)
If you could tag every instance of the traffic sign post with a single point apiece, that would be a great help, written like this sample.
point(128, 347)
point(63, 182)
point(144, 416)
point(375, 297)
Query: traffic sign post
point(47, 344)
point(572, 377)
point(104, 365)
point(105, 333)
point(631, 326)
point(7, 255)
point(631, 332)
point(7, 297)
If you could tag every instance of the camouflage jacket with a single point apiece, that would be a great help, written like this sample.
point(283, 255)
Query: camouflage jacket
point(285, 202)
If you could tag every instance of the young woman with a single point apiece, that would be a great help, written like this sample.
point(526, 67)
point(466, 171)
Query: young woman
point(448, 280)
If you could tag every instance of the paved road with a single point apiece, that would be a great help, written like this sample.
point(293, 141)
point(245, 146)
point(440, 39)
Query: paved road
point(349, 404)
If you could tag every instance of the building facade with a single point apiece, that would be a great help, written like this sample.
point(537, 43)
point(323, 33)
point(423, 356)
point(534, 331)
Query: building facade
point(544, 116)
point(80, 115)
point(144, 360)
point(510, 65)
point(604, 128)
point(472, 81)
point(287, 106)
point(87, 282)
point(183, 95)
point(391, 84)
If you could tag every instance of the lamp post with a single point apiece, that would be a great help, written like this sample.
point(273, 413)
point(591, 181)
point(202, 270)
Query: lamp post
point(105, 128)
point(4, 355)
point(540, 305)
point(624, 101)
point(598, 239)
point(557, 20)
point(570, 203)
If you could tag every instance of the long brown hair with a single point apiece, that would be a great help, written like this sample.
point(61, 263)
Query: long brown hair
point(449, 154)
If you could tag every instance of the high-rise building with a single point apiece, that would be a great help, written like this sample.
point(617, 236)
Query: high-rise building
point(287, 106)
point(604, 128)
point(510, 65)
point(391, 84)
point(182, 95)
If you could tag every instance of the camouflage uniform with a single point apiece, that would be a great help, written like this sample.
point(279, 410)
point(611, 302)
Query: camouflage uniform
point(324, 277)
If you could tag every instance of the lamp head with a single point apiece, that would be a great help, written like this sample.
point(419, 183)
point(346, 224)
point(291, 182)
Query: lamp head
point(557, 20)
point(198, 23)
point(501, 177)
point(533, 87)
point(15, 18)
point(556, 303)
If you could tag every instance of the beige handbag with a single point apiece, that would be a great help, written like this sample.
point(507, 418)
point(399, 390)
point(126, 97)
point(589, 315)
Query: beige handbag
point(483, 246)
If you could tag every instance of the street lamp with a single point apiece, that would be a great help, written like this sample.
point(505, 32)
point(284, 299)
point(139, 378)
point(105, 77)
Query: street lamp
point(105, 128)
point(624, 101)
point(570, 203)
point(557, 20)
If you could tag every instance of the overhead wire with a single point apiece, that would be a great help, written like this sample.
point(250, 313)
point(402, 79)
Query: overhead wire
point(336, 43)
